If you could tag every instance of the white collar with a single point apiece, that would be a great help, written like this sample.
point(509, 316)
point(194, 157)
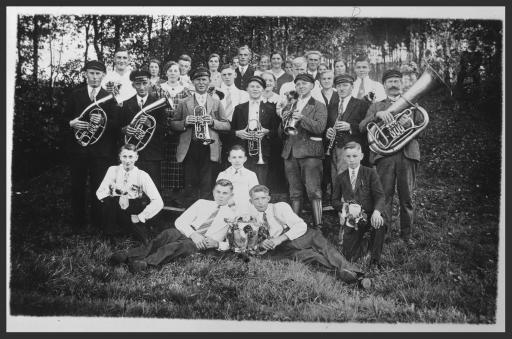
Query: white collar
point(200, 95)
point(278, 74)
point(233, 170)
point(231, 87)
point(243, 68)
point(133, 170)
point(144, 99)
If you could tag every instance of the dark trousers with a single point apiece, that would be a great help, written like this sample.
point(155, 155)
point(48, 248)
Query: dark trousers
point(153, 168)
point(168, 245)
point(198, 171)
point(314, 248)
point(398, 170)
point(260, 170)
point(85, 167)
point(114, 217)
point(304, 173)
point(276, 178)
point(356, 243)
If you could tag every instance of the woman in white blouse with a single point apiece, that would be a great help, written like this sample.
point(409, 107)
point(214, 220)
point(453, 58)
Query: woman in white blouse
point(268, 94)
point(129, 196)
point(213, 66)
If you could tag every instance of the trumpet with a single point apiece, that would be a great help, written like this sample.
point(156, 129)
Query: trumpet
point(290, 123)
point(201, 129)
point(254, 144)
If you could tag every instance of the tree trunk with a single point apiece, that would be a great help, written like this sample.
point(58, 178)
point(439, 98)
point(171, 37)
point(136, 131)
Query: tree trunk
point(117, 32)
point(97, 38)
point(35, 46)
point(18, 47)
point(162, 40)
point(87, 40)
point(150, 30)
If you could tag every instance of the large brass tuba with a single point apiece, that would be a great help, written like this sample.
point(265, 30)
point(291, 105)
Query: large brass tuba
point(201, 129)
point(388, 138)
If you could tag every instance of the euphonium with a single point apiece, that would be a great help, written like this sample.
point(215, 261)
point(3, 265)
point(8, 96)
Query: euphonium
point(388, 138)
point(201, 129)
point(94, 131)
point(144, 124)
point(254, 144)
point(290, 123)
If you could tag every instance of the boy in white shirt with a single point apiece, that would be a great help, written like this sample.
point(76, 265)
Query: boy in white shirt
point(124, 192)
point(242, 178)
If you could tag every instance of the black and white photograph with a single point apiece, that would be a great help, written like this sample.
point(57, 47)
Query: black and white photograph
point(255, 169)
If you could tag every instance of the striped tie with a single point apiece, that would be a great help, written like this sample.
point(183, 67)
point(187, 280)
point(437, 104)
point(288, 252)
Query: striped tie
point(353, 178)
point(204, 226)
point(361, 92)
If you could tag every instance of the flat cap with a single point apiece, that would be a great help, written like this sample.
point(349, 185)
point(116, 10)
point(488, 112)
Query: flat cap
point(257, 79)
point(304, 77)
point(96, 65)
point(140, 75)
point(200, 72)
point(391, 73)
point(343, 78)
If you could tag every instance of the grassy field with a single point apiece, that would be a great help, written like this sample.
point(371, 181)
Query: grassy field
point(450, 276)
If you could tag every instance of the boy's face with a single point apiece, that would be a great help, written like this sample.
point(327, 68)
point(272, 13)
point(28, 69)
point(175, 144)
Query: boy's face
point(142, 87)
point(362, 69)
point(260, 201)
point(255, 90)
point(353, 156)
point(121, 60)
point(201, 84)
point(222, 194)
point(237, 158)
point(326, 80)
point(228, 76)
point(128, 159)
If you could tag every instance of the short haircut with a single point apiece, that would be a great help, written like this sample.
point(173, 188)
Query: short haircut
point(128, 147)
point(340, 60)
point(323, 64)
point(308, 53)
point(169, 64)
point(352, 145)
point(299, 61)
point(246, 48)
point(225, 66)
point(237, 148)
point(155, 61)
point(214, 55)
point(278, 53)
point(224, 183)
point(121, 49)
point(329, 71)
point(362, 58)
point(259, 188)
point(270, 73)
point(185, 57)
point(264, 56)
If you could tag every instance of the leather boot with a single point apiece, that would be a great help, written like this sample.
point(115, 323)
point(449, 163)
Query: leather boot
point(316, 206)
point(296, 206)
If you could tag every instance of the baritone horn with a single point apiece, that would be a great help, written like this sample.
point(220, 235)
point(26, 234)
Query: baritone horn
point(290, 127)
point(254, 144)
point(201, 129)
point(388, 138)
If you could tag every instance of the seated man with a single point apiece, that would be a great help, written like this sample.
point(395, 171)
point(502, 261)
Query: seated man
point(200, 227)
point(360, 185)
point(290, 238)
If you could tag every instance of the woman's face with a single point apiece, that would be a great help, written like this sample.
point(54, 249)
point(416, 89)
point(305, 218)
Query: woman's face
point(173, 73)
point(213, 64)
point(276, 61)
point(322, 68)
point(269, 80)
point(288, 68)
point(340, 68)
point(154, 69)
point(264, 64)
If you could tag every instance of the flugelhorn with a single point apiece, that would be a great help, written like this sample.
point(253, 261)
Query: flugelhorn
point(388, 138)
point(254, 144)
point(290, 123)
point(201, 128)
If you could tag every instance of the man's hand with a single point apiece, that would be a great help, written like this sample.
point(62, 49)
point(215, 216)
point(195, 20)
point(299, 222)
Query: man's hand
point(190, 120)
point(208, 119)
point(296, 115)
point(95, 118)
point(330, 133)
point(130, 130)
point(270, 244)
point(384, 116)
point(377, 220)
point(243, 134)
point(78, 124)
point(109, 86)
point(342, 126)
point(135, 218)
point(199, 240)
point(211, 243)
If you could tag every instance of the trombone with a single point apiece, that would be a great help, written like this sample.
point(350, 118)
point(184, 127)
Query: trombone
point(254, 144)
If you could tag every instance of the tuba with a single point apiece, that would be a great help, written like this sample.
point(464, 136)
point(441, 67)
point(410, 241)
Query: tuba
point(201, 129)
point(254, 144)
point(94, 131)
point(388, 138)
point(144, 124)
point(290, 123)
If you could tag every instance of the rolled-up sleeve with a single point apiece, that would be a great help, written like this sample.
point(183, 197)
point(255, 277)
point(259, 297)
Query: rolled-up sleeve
point(156, 203)
point(184, 222)
point(103, 190)
point(297, 226)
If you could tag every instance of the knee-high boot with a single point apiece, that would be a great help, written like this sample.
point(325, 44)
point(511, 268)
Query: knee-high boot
point(296, 206)
point(316, 206)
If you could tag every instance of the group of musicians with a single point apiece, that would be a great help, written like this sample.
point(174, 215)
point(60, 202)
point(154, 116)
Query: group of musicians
point(300, 116)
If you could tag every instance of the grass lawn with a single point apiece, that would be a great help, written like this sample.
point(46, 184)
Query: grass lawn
point(450, 276)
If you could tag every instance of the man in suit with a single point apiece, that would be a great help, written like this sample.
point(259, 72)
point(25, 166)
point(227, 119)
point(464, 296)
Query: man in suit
point(361, 185)
point(120, 75)
point(345, 125)
point(257, 110)
point(151, 156)
point(313, 58)
point(244, 71)
point(364, 87)
point(398, 168)
point(303, 152)
point(200, 228)
point(199, 157)
point(90, 161)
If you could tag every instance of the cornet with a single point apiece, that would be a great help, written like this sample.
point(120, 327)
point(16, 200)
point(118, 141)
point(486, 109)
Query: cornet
point(201, 129)
point(254, 144)
point(290, 123)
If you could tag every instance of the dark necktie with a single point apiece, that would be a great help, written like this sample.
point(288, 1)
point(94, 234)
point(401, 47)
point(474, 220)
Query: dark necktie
point(360, 93)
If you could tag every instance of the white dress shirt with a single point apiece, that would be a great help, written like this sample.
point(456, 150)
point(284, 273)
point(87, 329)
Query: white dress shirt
point(201, 98)
point(131, 183)
point(280, 215)
point(369, 86)
point(243, 181)
point(190, 220)
point(141, 101)
point(238, 96)
point(89, 91)
point(126, 91)
point(254, 109)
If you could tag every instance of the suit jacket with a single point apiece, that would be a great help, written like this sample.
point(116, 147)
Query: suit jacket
point(76, 103)
point(354, 113)
point(368, 190)
point(312, 124)
point(332, 108)
point(268, 120)
point(241, 81)
point(153, 151)
point(221, 123)
point(411, 149)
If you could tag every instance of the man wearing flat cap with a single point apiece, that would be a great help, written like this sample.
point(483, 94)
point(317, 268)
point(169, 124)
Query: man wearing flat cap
point(398, 168)
point(151, 156)
point(255, 110)
point(344, 127)
point(93, 160)
point(199, 157)
point(303, 152)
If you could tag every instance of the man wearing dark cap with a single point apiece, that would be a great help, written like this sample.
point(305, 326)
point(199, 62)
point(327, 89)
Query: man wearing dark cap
point(151, 156)
point(120, 75)
point(265, 114)
point(344, 127)
point(93, 160)
point(399, 168)
point(303, 152)
point(199, 157)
